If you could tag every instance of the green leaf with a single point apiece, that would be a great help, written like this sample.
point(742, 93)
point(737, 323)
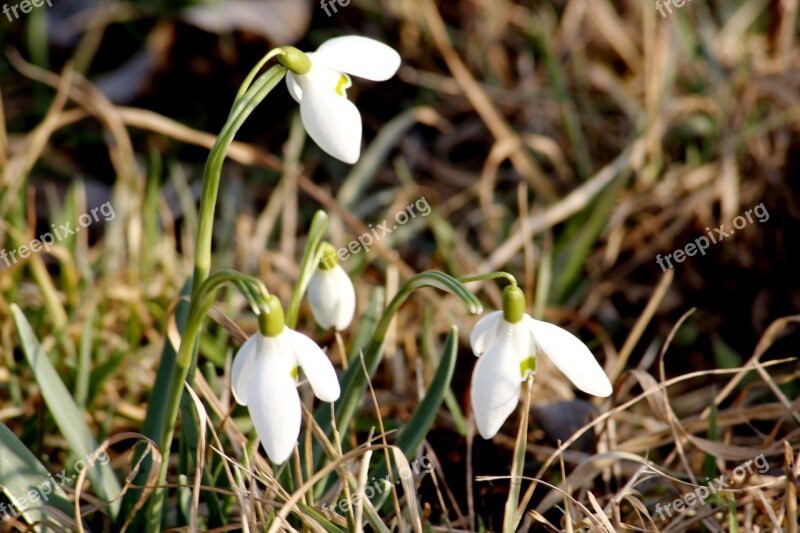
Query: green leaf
point(319, 225)
point(65, 412)
point(154, 418)
point(354, 382)
point(413, 433)
point(26, 482)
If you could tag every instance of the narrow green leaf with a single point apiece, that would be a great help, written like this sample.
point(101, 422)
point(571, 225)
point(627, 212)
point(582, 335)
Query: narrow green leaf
point(26, 482)
point(83, 370)
point(353, 381)
point(413, 433)
point(319, 225)
point(65, 412)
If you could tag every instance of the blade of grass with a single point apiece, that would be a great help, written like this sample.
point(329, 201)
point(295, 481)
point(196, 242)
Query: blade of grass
point(22, 475)
point(65, 412)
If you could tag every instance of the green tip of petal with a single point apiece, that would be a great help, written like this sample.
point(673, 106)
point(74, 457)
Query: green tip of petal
point(528, 366)
point(295, 60)
point(513, 304)
point(328, 258)
point(271, 324)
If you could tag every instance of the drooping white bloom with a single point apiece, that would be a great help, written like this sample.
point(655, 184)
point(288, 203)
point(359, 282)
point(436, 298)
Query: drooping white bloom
point(328, 116)
point(264, 378)
point(331, 293)
point(508, 355)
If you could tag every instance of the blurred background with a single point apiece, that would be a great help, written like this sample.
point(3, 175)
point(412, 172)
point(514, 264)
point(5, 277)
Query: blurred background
point(570, 143)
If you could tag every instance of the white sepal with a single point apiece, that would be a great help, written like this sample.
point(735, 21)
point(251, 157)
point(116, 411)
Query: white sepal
point(294, 87)
point(485, 332)
point(495, 387)
point(332, 121)
point(316, 366)
point(571, 356)
point(273, 400)
point(332, 298)
point(242, 368)
point(359, 56)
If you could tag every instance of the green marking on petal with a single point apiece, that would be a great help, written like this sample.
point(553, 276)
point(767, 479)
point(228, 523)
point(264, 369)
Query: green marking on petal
point(528, 366)
point(295, 372)
point(344, 83)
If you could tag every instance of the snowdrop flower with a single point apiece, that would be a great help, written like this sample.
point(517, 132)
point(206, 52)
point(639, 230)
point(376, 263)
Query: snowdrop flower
point(318, 82)
point(331, 293)
point(264, 378)
point(507, 343)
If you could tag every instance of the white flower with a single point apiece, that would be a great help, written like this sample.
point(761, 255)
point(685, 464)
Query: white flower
point(331, 293)
point(328, 116)
point(332, 298)
point(507, 356)
point(264, 378)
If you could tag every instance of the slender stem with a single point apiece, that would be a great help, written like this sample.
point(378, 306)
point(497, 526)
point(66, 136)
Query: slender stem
point(492, 275)
point(202, 293)
point(510, 519)
point(213, 170)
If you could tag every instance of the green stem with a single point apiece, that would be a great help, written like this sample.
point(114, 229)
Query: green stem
point(202, 292)
point(208, 200)
point(492, 275)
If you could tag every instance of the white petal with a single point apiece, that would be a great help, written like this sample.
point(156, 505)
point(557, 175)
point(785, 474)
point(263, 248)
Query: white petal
point(521, 338)
point(571, 356)
point(332, 298)
point(495, 387)
point(332, 121)
point(485, 332)
point(322, 298)
point(359, 56)
point(316, 366)
point(242, 368)
point(347, 299)
point(274, 404)
point(294, 87)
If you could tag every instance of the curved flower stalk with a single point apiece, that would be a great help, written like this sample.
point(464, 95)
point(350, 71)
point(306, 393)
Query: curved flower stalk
point(330, 292)
point(318, 81)
point(507, 343)
point(264, 378)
